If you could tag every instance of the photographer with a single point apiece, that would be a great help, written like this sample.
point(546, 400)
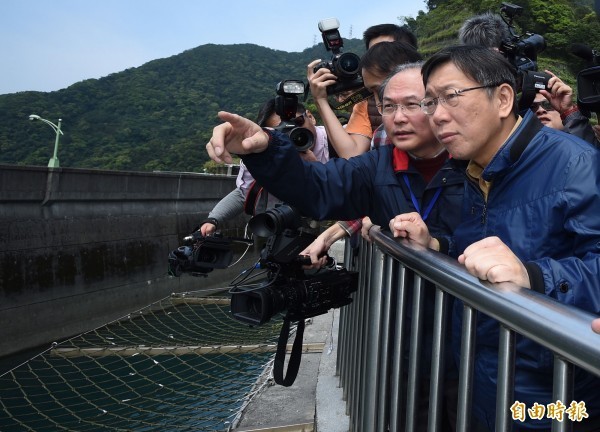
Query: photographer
point(368, 184)
point(560, 97)
point(491, 31)
point(356, 137)
point(248, 195)
point(377, 64)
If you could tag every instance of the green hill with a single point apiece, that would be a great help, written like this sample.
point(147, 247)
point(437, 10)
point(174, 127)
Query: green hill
point(160, 115)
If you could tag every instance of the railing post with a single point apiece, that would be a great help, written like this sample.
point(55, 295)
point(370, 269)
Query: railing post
point(438, 362)
point(414, 360)
point(562, 391)
point(506, 380)
point(373, 351)
point(383, 369)
point(397, 369)
point(465, 378)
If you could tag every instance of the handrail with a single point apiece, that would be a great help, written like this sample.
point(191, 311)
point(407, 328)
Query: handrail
point(525, 311)
point(380, 375)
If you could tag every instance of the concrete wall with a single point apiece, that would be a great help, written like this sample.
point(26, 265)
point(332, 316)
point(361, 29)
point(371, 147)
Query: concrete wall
point(80, 248)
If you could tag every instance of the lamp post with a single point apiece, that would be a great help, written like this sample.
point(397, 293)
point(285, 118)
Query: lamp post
point(53, 162)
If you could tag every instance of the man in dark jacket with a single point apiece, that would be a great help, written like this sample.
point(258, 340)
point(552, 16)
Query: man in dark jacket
point(530, 217)
point(412, 174)
point(367, 184)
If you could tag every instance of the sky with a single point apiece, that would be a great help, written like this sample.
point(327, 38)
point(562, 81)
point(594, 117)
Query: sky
point(50, 44)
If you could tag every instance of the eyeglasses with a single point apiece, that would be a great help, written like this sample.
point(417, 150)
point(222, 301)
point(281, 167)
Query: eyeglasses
point(545, 104)
point(387, 109)
point(450, 98)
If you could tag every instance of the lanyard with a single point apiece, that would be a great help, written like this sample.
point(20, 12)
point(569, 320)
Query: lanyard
point(415, 202)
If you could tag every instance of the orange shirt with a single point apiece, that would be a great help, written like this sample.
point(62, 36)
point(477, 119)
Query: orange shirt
point(359, 122)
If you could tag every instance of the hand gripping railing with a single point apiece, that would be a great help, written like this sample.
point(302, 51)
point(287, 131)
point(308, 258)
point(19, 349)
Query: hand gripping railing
point(381, 377)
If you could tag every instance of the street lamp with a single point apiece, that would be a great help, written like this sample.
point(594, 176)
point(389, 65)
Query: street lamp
point(53, 162)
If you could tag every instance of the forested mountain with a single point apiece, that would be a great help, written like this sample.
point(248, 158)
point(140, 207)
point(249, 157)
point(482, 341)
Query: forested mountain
point(159, 116)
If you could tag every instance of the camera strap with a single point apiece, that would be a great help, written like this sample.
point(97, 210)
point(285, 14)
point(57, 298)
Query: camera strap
point(296, 355)
point(353, 99)
point(252, 198)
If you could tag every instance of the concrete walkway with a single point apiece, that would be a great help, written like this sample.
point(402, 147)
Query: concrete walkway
point(314, 401)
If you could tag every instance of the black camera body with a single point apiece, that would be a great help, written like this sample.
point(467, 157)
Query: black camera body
point(287, 287)
point(200, 255)
point(522, 51)
point(302, 296)
point(345, 66)
point(588, 79)
point(286, 107)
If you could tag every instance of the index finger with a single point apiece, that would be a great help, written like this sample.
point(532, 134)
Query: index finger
point(216, 146)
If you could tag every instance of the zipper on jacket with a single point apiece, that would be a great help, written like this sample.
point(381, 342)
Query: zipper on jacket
point(484, 214)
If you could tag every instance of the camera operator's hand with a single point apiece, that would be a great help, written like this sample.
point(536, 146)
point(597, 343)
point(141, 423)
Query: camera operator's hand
point(317, 250)
point(207, 229)
point(559, 94)
point(411, 226)
point(319, 81)
point(237, 135)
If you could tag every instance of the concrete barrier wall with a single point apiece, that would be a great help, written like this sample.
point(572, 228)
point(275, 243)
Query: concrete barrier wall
point(80, 248)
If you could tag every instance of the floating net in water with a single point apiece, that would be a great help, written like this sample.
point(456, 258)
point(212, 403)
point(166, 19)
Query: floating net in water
point(182, 363)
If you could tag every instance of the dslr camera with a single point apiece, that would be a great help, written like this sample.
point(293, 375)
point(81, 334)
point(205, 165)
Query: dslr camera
point(345, 66)
point(285, 285)
point(286, 107)
point(521, 51)
point(200, 255)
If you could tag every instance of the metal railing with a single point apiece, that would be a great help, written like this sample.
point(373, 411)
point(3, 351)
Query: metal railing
point(380, 360)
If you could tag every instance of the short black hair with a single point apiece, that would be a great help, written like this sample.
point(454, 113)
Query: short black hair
point(481, 64)
point(383, 57)
point(399, 33)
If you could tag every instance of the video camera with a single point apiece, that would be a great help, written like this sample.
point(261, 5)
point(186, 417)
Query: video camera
point(287, 287)
point(286, 107)
point(200, 255)
point(345, 66)
point(521, 51)
point(588, 79)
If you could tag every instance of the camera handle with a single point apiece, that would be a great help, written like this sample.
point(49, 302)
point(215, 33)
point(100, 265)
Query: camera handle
point(296, 355)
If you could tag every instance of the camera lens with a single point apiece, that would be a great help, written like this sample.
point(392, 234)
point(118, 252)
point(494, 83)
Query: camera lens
point(347, 65)
point(274, 221)
point(302, 138)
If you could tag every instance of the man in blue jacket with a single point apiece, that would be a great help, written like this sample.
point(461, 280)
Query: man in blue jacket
point(377, 183)
point(412, 174)
point(530, 217)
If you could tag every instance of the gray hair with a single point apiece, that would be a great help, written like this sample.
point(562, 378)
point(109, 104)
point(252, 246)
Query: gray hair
point(396, 71)
point(487, 29)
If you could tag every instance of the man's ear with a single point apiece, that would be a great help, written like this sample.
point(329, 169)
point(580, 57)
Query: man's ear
point(505, 100)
